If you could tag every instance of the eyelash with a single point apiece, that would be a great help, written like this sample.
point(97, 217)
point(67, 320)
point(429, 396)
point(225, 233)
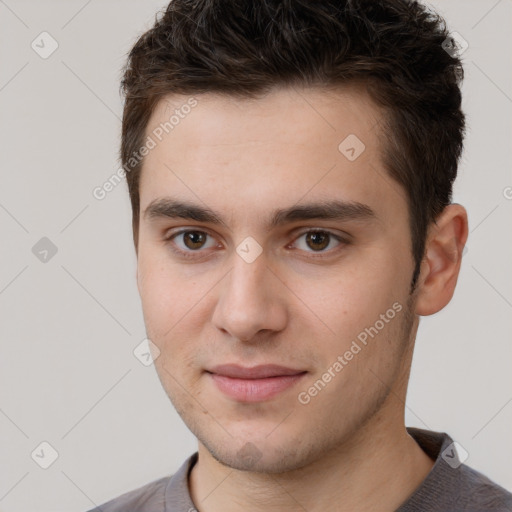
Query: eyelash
point(190, 254)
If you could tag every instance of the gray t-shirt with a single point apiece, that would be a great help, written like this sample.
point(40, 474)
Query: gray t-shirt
point(449, 486)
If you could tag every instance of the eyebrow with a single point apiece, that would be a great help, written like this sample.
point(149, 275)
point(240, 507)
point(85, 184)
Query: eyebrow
point(338, 210)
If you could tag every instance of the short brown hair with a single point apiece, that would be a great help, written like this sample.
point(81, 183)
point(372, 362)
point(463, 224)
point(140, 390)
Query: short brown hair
point(245, 48)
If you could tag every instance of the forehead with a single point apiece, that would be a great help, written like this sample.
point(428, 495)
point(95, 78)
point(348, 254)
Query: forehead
point(251, 154)
point(295, 114)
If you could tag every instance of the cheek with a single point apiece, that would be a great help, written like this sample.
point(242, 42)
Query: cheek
point(156, 296)
point(340, 305)
point(161, 295)
point(173, 307)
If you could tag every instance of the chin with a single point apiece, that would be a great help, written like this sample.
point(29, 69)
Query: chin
point(251, 458)
point(260, 454)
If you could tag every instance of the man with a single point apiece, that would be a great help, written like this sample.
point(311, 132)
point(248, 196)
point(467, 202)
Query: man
point(290, 168)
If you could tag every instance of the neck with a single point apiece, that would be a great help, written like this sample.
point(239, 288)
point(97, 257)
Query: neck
point(378, 468)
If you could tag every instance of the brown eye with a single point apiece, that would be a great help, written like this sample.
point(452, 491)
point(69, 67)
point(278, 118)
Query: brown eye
point(194, 239)
point(190, 243)
point(317, 240)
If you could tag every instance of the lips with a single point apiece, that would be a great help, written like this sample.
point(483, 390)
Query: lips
point(256, 372)
point(255, 384)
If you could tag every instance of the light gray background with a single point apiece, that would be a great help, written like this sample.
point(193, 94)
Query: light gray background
point(68, 327)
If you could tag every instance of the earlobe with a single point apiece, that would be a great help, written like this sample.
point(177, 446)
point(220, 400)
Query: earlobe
point(443, 256)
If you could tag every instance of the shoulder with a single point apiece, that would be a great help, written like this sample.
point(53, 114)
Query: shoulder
point(452, 485)
point(147, 498)
point(476, 490)
point(162, 495)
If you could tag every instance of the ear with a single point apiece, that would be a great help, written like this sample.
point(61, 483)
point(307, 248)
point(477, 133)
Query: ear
point(442, 260)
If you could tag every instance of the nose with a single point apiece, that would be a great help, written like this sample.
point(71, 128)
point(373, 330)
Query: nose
point(251, 301)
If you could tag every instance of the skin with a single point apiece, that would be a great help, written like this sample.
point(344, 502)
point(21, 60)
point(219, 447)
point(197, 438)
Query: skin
point(296, 304)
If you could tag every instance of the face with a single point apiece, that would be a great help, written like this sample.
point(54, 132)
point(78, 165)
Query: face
point(268, 238)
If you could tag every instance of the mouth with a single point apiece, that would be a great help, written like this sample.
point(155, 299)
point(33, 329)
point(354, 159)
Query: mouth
point(255, 384)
